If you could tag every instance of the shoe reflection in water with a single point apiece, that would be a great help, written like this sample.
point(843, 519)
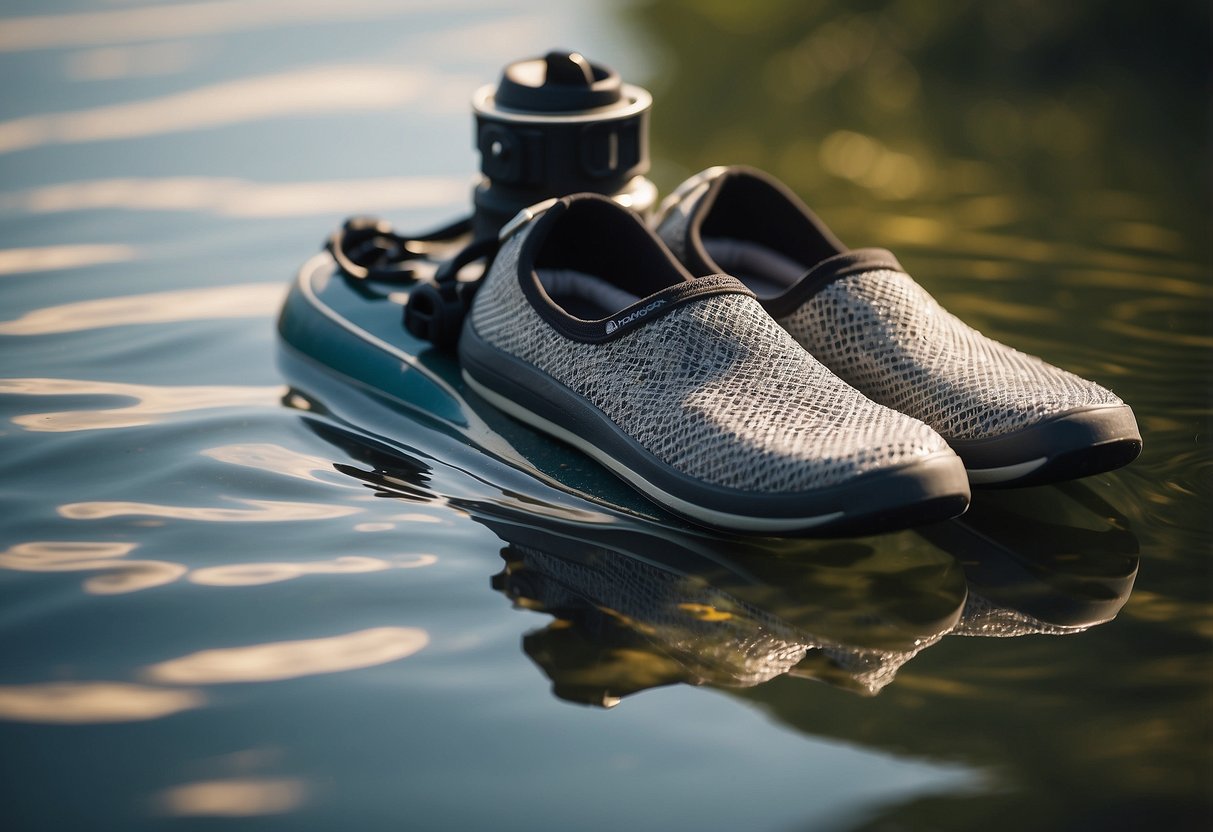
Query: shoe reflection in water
point(656, 610)
point(1053, 560)
point(832, 612)
point(638, 604)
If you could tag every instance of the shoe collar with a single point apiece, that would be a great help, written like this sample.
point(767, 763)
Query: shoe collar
point(788, 218)
point(685, 194)
point(822, 274)
point(675, 286)
point(524, 218)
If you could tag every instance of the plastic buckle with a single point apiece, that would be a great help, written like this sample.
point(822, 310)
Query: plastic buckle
point(435, 313)
point(523, 217)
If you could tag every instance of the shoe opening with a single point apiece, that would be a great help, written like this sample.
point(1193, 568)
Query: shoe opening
point(598, 258)
point(762, 234)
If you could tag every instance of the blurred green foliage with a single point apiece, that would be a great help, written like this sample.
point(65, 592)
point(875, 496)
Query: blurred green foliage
point(872, 101)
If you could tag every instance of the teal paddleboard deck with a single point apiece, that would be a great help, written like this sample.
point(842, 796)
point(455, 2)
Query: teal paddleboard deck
point(347, 354)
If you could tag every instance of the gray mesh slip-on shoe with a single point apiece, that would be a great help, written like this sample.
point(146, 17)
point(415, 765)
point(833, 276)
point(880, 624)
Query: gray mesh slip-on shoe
point(586, 328)
point(1013, 418)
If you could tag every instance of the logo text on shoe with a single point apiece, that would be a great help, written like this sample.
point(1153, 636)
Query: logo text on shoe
point(635, 316)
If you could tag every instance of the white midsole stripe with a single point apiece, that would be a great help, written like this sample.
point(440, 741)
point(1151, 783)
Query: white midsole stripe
point(716, 518)
point(984, 476)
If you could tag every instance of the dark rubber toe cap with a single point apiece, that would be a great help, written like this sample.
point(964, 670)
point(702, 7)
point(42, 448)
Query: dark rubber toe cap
point(1067, 446)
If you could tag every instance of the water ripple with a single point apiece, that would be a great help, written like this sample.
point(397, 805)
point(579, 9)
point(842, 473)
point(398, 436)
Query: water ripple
point(84, 702)
point(243, 797)
point(83, 556)
point(262, 511)
point(153, 403)
point(310, 91)
point(266, 456)
point(174, 20)
point(231, 197)
point(291, 659)
point(258, 574)
point(53, 258)
point(256, 300)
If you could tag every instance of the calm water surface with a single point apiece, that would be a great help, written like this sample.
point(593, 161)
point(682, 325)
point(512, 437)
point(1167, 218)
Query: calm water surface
point(233, 592)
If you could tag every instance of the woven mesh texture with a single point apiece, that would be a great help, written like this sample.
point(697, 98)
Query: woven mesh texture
point(883, 333)
point(983, 618)
point(715, 389)
point(872, 669)
point(735, 645)
point(717, 637)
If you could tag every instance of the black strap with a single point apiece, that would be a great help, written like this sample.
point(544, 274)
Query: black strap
point(368, 249)
point(435, 311)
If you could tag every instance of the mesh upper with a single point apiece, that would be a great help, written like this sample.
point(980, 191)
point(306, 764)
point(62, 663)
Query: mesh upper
point(715, 389)
point(739, 644)
point(983, 618)
point(883, 333)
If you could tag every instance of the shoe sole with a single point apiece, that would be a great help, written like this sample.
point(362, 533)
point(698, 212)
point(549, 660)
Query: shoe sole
point(1075, 444)
point(927, 490)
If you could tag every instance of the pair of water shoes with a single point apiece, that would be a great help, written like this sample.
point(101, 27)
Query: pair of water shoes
point(744, 369)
